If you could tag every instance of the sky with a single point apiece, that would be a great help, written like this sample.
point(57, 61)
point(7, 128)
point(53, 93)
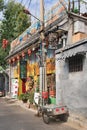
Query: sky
point(34, 6)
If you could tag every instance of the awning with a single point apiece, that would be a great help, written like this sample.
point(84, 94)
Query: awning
point(82, 49)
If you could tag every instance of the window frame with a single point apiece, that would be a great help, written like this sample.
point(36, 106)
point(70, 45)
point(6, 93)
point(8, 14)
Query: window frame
point(75, 63)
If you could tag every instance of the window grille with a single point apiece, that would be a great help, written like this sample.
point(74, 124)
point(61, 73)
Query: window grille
point(76, 63)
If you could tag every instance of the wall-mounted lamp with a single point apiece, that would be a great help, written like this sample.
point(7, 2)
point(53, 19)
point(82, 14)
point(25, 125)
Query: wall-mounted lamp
point(64, 38)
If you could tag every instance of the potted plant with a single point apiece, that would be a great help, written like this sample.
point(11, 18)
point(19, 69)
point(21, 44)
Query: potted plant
point(37, 89)
point(24, 97)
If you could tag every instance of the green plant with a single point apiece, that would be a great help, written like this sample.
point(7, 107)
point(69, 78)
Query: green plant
point(24, 96)
point(37, 89)
point(75, 10)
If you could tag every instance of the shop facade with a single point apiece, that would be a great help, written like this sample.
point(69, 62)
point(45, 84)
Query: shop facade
point(25, 54)
point(66, 46)
point(25, 68)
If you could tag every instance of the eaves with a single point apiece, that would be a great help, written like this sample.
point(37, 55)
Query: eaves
point(35, 38)
point(72, 47)
point(22, 47)
point(77, 17)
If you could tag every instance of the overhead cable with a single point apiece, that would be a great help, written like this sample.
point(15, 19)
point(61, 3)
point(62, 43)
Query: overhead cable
point(29, 3)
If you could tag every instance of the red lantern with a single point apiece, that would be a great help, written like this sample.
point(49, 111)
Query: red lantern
point(4, 43)
point(29, 52)
point(18, 57)
point(23, 54)
point(13, 59)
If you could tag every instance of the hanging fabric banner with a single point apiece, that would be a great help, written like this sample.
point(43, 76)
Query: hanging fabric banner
point(23, 69)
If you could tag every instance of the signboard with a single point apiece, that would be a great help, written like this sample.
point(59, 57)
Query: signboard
point(36, 97)
point(14, 88)
point(23, 69)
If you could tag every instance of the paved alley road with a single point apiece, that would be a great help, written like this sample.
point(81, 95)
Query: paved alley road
point(13, 117)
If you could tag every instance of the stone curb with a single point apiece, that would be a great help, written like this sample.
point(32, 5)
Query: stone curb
point(25, 106)
point(14, 101)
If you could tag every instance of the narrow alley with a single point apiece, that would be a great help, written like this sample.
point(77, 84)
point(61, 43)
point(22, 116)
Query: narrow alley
point(14, 117)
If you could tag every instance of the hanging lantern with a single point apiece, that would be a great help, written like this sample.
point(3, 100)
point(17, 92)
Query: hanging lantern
point(4, 43)
point(23, 54)
point(18, 57)
point(29, 52)
point(13, 59)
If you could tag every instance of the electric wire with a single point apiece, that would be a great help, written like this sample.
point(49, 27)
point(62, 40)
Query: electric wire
point(21, 1)
point(29, 4)
point(25, 4)
point(63, 4)
point(36, 12)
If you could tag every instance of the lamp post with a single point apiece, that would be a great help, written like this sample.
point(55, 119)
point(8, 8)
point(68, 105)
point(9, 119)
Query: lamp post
point(28, 12)
point(43, 80)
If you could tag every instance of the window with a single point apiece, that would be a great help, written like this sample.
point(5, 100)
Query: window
point(76, 63)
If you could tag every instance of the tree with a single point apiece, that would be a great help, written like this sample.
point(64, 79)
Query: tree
point(1, 4)
point(13, 24)
point(15, 21)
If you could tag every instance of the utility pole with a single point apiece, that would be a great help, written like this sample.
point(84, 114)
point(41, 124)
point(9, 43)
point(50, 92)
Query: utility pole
point(43, 82)
point(42, 13)
point(69, 5)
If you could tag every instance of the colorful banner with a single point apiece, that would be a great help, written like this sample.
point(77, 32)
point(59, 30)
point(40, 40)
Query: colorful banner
point(23, 69)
